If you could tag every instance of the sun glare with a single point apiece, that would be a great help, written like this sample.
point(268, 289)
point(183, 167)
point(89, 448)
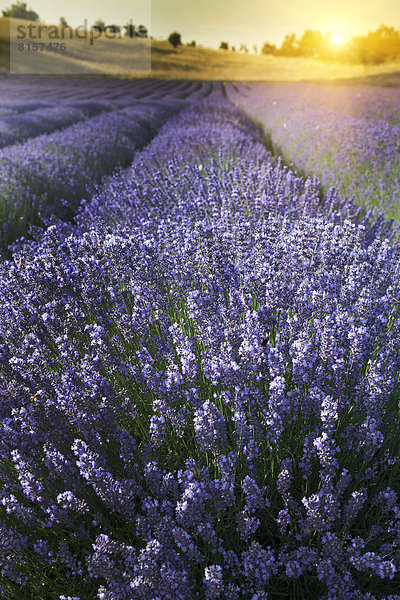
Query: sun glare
point(337, 38)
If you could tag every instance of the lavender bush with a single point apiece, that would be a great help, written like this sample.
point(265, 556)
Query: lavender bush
point(199, 385)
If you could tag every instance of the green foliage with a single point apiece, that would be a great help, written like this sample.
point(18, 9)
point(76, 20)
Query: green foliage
point(268, 48)
point(175, 39)
point(290, 45)
point(311, 43)
point(99, 25)
point(141, 31)
point(19, 10)
point(377, 46)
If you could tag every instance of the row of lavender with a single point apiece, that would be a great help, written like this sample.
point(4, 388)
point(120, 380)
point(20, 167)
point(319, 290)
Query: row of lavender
point(349, 136)
point(25, 95)
point(20, 93)
point(199, 385)
point(18, 127)
point(50, 173)
point(21, 119)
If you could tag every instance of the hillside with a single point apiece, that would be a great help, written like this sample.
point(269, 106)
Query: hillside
point(203, 63)
point(114, 58)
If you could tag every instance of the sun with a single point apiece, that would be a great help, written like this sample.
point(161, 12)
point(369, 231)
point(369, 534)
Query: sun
point(337, 38)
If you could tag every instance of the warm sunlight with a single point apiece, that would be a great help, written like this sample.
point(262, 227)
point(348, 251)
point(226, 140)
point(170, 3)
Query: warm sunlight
point(337, 38)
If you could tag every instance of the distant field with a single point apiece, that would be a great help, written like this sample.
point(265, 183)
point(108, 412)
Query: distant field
point(202, 63)
point(113, 57)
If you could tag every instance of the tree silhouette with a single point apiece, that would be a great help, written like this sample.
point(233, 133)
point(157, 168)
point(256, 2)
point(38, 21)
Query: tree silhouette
point(99, 25)
point(141, 31)
point(175, 39)
point(63, 22)
point(311, 43)
point(290, 45)
point(268, 48)
point(20, 11)
point(224, 46)
point(377, 46)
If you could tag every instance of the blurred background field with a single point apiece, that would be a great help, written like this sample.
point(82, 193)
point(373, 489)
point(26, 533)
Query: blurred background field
point(112, 57)
point(202, 63)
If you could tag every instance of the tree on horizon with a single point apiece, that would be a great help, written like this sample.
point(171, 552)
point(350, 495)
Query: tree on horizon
point(290, 45)
point(268, 48)
point(19, 10)
point(99, 25)
point(175, 39)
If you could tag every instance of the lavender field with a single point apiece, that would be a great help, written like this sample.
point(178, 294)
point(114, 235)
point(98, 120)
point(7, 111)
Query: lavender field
point(199, 341)
point(349, 136)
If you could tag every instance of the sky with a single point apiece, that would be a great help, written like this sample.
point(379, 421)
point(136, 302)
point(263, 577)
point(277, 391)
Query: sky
point(209, 22)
